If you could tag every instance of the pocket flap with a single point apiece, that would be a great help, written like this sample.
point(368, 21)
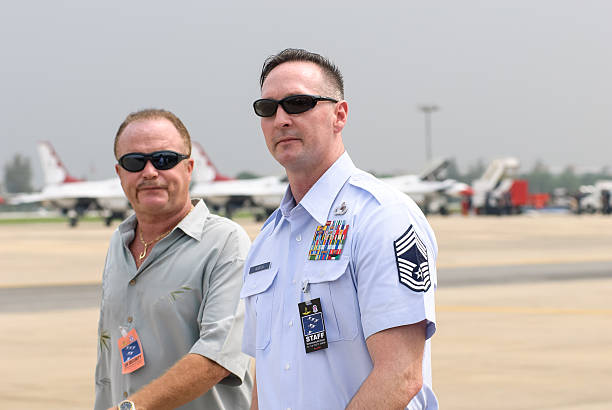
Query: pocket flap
point(325, 271)
point(258, 282)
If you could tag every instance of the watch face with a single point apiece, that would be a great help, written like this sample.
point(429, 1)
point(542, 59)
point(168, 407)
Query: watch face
point(126, 405)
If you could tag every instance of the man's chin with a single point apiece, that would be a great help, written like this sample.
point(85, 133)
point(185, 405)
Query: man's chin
point(286, 157)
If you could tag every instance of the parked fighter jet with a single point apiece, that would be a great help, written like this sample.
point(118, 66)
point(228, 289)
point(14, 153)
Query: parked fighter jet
point(74, 196)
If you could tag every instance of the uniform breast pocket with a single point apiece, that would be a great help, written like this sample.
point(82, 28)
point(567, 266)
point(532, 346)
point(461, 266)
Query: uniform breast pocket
point(258, 289)
point(331, 282)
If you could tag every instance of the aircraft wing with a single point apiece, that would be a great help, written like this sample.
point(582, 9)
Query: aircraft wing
point(413, 185)
point(104, 194)
point(265, 192)
point(29, 198)
point(109, 188)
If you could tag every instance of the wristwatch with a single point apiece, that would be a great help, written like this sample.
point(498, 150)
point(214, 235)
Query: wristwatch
point(126, 405)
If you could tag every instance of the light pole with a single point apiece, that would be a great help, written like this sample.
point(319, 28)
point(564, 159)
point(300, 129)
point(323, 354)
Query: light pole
point(427, 110)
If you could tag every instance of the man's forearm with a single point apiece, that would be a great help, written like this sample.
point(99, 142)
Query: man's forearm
point(188, 379)
point(254, 401)
point(379, 391)
point(397, 355)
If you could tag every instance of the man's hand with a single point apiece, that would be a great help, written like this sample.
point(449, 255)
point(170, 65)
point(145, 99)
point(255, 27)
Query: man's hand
point(187, 380)
point(397, 355)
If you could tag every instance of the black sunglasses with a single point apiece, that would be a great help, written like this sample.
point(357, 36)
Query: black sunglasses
point(136, 161)
point(293, 104)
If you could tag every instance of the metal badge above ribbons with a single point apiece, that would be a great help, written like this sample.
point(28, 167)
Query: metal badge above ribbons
point(328, 241)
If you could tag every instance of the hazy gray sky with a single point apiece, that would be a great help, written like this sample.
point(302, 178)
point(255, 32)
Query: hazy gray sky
point(526, 78)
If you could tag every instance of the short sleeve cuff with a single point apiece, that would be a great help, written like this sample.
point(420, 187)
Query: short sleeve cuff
point(235, 363)
point(387, 320)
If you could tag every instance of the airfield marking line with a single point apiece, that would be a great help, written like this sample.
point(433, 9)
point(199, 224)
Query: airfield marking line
point(525, 310)
point(26, 285)
point(524, 262)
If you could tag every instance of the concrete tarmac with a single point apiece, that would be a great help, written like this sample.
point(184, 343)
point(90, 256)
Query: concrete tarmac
point(523, 306)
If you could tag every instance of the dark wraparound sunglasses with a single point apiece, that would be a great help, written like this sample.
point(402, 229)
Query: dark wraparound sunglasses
point(136, 161)
point(293, 104)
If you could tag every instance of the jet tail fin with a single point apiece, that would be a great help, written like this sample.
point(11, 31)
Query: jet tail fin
point(435, 170)
point(204, 170)
point(53, 169)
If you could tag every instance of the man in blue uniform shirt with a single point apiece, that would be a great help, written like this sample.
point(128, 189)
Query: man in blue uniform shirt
point(339, 285)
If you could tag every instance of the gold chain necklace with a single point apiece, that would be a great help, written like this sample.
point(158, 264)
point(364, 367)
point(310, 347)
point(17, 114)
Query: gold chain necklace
point(146, 244)
point(144, 252)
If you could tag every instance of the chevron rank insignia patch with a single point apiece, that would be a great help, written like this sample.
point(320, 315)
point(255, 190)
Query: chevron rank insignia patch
point(411, 258)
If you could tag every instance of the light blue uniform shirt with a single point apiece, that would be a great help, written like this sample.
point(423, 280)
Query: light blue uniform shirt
point(361, 293)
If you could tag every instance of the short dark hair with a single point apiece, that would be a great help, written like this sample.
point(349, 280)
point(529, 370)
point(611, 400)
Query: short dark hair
point(151, 114)
point(330, 70)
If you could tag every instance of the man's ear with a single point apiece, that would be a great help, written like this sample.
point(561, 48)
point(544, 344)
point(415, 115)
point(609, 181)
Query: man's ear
point(190, 165)
point(341, 114)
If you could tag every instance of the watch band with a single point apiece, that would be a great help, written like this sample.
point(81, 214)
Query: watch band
point(126, 405)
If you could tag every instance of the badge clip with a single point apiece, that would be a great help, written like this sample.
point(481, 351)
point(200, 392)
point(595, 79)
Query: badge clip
point(306, 291)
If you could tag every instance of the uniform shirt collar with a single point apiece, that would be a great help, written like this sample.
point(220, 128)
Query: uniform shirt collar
point(319, 199)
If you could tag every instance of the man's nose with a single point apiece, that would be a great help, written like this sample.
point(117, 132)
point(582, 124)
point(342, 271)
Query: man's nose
point(149, 171)
point(281, 118)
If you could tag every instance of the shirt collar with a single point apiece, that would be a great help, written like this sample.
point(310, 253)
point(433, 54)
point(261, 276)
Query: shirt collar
point(320, 197)
point(127, 229)
point(192, 224)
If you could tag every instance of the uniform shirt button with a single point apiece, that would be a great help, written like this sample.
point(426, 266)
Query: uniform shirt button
point(125, 394)
point(298, 237)
point(287, 366)
point(132, 282)
point(130, 319)
point(290, 323)
point(293, 281)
